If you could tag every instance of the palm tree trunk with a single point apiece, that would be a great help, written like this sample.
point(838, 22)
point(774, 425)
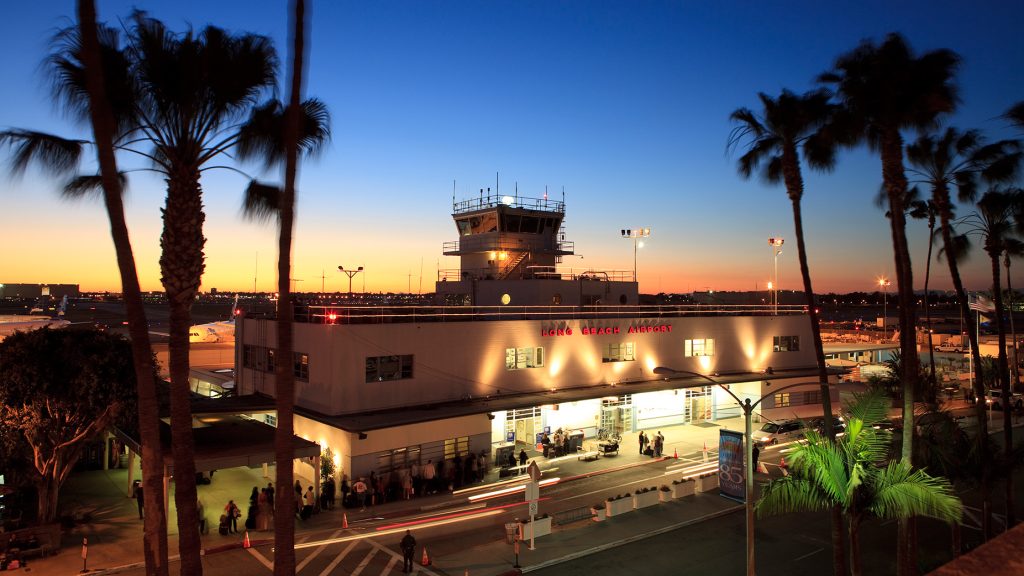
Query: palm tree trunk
point(795, 187)
point(927, 305)
point(942, 201)
point(1013, 330)
point(896, 187)
point(181, 264)
point(1004, 385)
point(854, 529)
point(155, 522)
point(284, 538)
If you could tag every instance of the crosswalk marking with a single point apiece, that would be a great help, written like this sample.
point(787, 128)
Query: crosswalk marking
point(337, 559)
point(315, 553)
point(415, 569)
point(366, 561)
point(261, 558)
point(391, 564)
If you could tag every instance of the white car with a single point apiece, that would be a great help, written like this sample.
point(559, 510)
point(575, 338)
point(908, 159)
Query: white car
point(774, 433)
point(948, 348)
point(994, 399)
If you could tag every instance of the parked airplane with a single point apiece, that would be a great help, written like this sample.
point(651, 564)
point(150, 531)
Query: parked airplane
point(22, 323)
point(223, 331)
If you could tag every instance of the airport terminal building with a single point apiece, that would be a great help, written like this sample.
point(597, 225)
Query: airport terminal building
point(516, 346)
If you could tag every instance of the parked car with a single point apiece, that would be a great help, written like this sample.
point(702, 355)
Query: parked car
point(837, 424)
point(994, 399)
point(949, 348)
point(776, 432)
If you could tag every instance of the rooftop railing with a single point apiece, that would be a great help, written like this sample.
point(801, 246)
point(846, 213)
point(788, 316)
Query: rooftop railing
point(491, 200)
point(402, 314)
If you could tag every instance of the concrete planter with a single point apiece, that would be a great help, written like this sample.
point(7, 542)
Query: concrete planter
point(598, 514)
point(645, 499)
point(542, 525)
point(684, 488)
point(618, 507)
point(665, 495)
point(707, 482)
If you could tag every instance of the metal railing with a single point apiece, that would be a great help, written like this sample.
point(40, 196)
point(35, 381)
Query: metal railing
point(541, 272)
point(514, 201)
point(498, 242)
point(553, 313)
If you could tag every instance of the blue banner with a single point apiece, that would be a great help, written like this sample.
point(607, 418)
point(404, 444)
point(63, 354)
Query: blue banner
point(731, 479)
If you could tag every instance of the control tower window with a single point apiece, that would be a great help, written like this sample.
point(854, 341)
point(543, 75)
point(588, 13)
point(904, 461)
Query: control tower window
point(479, 224)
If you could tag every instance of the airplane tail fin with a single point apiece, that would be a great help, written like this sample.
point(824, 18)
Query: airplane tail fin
point(234, 307)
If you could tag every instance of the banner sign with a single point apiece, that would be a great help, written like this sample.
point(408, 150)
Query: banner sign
point(731, 479)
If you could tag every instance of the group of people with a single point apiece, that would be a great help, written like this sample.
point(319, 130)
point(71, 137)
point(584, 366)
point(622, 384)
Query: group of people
point(652, 447)
point(556, 445)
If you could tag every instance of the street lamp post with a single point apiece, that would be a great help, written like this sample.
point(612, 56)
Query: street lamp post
point(884, 284)
point(776, 245)
point(748, 448)
point(636, 234)
point(350, 274)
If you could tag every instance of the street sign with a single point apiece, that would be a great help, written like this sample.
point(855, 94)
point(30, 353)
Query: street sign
point(534, 471)
point(532, 490)
point(533, 508)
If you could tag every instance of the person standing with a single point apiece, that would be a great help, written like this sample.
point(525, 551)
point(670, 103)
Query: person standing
point(755, 452)
point(329, 490)
point(522, 457)
point(428, 477)
point(406, 484)
point(643, 442)
point(309, 500)
point(408, 547)
point(232, 512)
point(137, 494)
point(270, 494)
point(359, 488)
point(483, 464)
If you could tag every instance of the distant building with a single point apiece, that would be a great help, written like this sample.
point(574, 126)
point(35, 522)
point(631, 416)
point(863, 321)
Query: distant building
point(56, 291)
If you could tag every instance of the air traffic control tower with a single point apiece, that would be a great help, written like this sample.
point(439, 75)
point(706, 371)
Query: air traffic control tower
point(510, 249)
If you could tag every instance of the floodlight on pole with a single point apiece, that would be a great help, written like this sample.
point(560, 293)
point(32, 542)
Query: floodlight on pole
point(635, 234)
point(350, 274)
point(883, 284)
point(748, 457)
point(776, 246)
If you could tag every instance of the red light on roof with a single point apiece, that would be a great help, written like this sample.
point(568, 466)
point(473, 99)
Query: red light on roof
point(238, 311)
point(332, 316)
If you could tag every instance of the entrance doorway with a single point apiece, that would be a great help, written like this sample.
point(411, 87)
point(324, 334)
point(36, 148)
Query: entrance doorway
point(697, 404)
point(526, 424)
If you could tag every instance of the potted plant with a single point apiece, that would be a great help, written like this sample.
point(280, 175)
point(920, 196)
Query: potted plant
point(707, 482)
point(664, 493)
point(541, 523)
point(645, 497)
point(683, 488)
point(597, 512)
point(619, 505)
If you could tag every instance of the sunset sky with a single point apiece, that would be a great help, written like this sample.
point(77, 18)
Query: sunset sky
point(624, 105)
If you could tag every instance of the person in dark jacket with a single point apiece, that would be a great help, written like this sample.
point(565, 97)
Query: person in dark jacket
point(408, 546)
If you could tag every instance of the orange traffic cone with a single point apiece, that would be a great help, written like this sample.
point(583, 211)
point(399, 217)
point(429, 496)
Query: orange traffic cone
point(783, 467)
point(705, 450)
point(675, 454)
point(761, 468)
point(426, 559)
point(245, 543)
point(344, 520)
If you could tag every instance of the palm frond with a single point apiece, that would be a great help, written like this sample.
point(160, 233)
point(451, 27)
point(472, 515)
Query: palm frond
point(261, 201)
point(262, 136)
point(1016, 115)
point(790, 494)
point(901, 492)
point(53, 153)
point(87, 184)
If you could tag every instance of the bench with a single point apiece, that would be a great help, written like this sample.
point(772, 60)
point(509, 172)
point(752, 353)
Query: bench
point(33, 541)
point(588, 456)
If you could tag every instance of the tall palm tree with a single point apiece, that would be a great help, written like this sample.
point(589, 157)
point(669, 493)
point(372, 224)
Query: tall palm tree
point(885, 89)
point(850, 472)
point(994, 222)
point(772, 140)
point(90, 80)
point(1013, 248)
point(194, 89)
point(276, 134)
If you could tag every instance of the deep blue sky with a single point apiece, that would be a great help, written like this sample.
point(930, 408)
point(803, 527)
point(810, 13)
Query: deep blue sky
point(624, 104)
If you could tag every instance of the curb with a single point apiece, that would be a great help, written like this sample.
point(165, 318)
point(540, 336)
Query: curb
point(624, 541)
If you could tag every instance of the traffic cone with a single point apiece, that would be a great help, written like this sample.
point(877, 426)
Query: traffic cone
point(783, 467)
point(675, 454)
point(245, 543)
point(344, 520)
point(426, 559)
point(705, 450)
point(761, 468)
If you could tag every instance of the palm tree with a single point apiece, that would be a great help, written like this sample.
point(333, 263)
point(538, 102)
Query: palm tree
point(773, 139)
point(1016, 115)
point(885, 89)
point(994, 222)
point(277, 134)
point(1013, 248)
point(89, 76)
point(851, 473)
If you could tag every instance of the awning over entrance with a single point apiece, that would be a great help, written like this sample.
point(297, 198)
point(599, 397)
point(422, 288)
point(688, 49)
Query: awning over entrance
point(367, 421)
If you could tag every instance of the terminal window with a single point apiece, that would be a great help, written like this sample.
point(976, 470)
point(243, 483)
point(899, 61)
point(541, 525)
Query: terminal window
point(300, 366)
point(786, 344)
point(699, 347)
point(381, 368)
point(619, 352)
point(519, 358)
point(782, 400)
